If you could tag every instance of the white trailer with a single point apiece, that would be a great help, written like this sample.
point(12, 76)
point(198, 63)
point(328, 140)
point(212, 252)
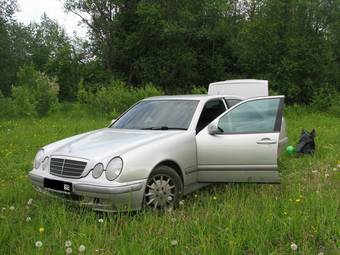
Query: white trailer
point(244, 88)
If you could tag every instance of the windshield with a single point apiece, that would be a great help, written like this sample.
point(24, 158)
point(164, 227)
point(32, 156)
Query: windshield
point(158, 115)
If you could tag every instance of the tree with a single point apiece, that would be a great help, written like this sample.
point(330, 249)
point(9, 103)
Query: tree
point(173, 44)
point(286, 42)
point(52, 52)
point(7, 9)
point(7, 63)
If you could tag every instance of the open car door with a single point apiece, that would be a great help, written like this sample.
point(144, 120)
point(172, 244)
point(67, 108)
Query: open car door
point(241, 145)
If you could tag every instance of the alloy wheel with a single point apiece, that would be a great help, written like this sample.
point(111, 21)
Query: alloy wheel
point(161, 192)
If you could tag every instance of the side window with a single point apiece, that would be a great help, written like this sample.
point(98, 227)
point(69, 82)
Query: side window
point(232, 102)
point(258, 116)
point(211, 111)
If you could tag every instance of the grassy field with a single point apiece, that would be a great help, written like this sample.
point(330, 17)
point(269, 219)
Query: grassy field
point(220, 219)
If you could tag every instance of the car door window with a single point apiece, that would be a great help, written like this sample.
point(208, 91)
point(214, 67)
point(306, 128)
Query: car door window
point(211, 111)
point(232, 102)
point(257, 116)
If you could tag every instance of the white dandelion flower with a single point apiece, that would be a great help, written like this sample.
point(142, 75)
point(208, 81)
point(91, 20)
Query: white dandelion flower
point(38, 244)
point(181, 202)
point(28, 218)
point(174, 242)
point(293, 246)
point(100, 220)
point(12, 208)
point(68, 243)
point(334, 169)
point(68, 250)
point(29, 202)
point(326, 175)
point(3, 208)
point(81, 248)
point(321, 253)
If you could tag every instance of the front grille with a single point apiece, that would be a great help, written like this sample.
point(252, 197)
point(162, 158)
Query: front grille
point(67, 167)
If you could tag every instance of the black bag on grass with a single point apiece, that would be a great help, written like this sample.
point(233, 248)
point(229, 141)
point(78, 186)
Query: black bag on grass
point(306, 143)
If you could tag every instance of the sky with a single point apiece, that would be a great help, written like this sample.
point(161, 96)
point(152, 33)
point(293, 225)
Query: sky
point(32, 10)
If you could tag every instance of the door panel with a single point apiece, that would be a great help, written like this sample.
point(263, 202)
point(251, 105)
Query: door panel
point(246, 150)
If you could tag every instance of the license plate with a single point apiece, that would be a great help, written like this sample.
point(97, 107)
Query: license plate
point(58, 185)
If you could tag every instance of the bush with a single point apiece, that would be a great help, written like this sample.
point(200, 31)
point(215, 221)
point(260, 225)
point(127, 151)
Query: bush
point(114, 98)
point(323, 98)
point(46, 95)
point(24, 100)
point(8, 108)
point(35, 93)
point(335, 106)
point(199, 90)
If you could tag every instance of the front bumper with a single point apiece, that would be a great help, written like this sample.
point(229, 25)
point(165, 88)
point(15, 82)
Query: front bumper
point(100, 197)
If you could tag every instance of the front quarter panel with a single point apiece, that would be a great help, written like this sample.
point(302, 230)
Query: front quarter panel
point(179, 147)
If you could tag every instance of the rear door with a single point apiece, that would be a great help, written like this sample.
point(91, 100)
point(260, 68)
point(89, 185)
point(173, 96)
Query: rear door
point(246, 147)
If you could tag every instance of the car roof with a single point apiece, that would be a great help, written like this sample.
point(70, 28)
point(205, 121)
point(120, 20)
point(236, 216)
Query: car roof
point(202, 97)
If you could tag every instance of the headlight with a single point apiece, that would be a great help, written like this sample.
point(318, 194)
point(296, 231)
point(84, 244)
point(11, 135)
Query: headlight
point(97, 170)
point(114, 168)
point(39, 158)
point(45, 163)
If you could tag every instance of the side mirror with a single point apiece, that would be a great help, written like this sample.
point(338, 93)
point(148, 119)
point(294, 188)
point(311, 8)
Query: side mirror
point(213, 129)
point(112, 121)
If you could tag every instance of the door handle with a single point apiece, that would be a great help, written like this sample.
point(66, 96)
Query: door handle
point(266, 140)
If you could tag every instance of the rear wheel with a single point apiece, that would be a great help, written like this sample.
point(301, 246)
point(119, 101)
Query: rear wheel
point(163, 189)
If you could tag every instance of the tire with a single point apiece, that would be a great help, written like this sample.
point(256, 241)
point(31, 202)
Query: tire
point(163, 189)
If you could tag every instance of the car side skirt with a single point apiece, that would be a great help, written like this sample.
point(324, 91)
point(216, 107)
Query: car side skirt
point(250, 174)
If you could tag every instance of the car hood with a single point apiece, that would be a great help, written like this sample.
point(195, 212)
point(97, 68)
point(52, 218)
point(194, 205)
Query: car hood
point(109, 142)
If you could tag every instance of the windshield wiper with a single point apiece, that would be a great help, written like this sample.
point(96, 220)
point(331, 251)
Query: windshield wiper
point(163, 128)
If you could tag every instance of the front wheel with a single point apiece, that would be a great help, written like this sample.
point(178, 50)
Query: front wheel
point(163, 189)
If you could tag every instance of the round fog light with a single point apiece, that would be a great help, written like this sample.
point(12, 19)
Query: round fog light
point(97, 170)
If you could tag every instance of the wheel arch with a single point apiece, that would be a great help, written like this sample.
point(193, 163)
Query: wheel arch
point(173, 164)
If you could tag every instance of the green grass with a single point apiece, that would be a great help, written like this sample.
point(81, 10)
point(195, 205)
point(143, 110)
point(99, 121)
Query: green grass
point(220, 219)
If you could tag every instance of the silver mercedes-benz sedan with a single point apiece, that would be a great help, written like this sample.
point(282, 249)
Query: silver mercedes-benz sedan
point(165, 147)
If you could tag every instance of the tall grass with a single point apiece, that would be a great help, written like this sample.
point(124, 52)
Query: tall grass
point(220, 219)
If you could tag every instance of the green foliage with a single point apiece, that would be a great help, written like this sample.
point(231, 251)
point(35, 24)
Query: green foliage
point(323, 98)
point(293, 44)
point(180, 44)
point(114, 98)
point(35, 93)
point(82, 93)
point(53, 54)
point(199, 90)
point(8, 109)
point(335, 107)
point(7, 9)
point(25, 101)
point(46, 94)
